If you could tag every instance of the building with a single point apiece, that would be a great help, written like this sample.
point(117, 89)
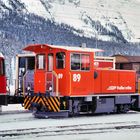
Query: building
point(128, 62)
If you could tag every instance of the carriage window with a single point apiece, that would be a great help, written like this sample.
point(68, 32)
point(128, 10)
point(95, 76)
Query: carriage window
point(30, 63)
point(50, 62)
point(60, 60)
point(85, 62)
point(75, 61)
point(2, 67)
point(80, 62)
point(41, 61)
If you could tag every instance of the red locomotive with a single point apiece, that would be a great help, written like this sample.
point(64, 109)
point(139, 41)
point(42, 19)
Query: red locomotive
point(2, 81)
point(66, 82)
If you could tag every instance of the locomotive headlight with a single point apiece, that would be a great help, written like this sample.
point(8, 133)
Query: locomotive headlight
point(28, 88)
point(50, 88)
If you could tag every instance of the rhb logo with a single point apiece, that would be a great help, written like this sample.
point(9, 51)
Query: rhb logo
point(119, 88)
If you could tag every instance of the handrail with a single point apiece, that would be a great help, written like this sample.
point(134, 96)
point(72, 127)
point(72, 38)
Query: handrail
point(139, 85)
point(70, 82)
point(23, 84)
point(57, 82)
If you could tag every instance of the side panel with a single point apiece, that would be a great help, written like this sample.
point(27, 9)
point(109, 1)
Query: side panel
point(82, 83)
point(109, 81)
point(112, 81)
point(127, 81)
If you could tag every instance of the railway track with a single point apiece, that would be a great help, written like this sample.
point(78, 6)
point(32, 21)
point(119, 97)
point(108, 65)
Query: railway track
point(92, 128)
point(48, 128)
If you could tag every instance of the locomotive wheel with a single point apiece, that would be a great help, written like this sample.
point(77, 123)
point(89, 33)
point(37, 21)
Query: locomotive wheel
point(123, 108)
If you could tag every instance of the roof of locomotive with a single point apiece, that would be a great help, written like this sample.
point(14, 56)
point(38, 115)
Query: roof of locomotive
point(35, 47)
point(1, 55)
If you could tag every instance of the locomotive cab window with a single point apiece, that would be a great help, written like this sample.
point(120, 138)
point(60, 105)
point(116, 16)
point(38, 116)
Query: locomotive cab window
point(41, 61)
point(80, 62)
point(85, 62)
point(2, 67)
point(50, 62)
point(75, 61)
point(30, 63)
point(60, 60)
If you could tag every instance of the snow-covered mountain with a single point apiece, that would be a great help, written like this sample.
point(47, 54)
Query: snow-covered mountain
point(104, 19)
point(69, 22)
point(107, 24)
point(107, 19)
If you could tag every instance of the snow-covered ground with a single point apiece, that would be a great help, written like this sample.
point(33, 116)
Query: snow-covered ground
point(12, 107)
point(99, 127)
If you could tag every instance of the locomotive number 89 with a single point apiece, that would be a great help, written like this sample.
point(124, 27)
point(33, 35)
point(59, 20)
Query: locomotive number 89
point(65, 82)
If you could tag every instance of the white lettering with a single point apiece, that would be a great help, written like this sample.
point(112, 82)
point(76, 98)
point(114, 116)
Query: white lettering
point(119, 88)
point(76, 77)
point(60, 76)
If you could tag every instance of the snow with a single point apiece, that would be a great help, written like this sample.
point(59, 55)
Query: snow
point(12, 107)
point(78, 128)
point(95, 127)
point(6, 2)
point(123, 14)
point(34, 6)
point(1, 55)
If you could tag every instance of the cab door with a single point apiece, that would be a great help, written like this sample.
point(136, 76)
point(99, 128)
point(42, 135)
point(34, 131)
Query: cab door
point(49, 75)
point(40, 74)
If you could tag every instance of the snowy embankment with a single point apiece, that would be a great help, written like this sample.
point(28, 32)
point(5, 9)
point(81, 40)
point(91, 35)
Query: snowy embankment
point(12, 107)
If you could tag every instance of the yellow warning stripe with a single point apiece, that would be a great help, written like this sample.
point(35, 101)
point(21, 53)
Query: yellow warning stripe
point(46, 102)
point(57, 101)
point(53, 103)
point(25, 100)
point(27, 105)
point(33, 99)
point(37, 98)
point(50, 103)
point(41, 101)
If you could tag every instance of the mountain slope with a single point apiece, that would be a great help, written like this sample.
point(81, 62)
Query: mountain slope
point(77, 13)
point(59, 21)
point(63, 22)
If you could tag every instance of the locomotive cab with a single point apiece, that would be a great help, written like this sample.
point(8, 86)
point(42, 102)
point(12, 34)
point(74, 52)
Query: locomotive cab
point(63, 70)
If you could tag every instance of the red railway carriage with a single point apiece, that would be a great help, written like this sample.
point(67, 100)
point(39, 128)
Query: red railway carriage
point(2, 80)
point(65, 79)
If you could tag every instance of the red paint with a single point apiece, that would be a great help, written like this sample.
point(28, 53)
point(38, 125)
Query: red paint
point(2, 77)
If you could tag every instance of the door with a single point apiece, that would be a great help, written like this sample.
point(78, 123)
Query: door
point(49, 76)
point(40, 74)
